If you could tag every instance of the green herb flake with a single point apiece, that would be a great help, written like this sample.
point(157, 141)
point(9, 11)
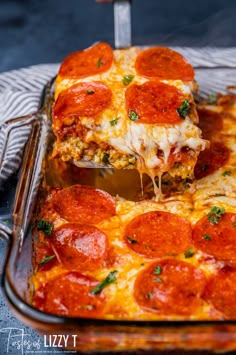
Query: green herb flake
point(157, 270)
point(206, 237)
point(234, 224)
point(227, 172)
point(212, 99)
point(158, 279)
point(90, 92)
point(133, 115)
point(149, 295)
point(105, 158)
point(111, 277)
point(114, 122)
point(127, 79)
point(215, 214)
point(204, 167)
point(46, 260)
point(99, 62)
point(189, 253)
point(183, 110)
point(130, 240)
point(45, 226)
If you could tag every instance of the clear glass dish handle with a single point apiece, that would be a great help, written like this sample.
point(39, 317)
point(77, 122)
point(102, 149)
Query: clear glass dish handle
point(11, 157)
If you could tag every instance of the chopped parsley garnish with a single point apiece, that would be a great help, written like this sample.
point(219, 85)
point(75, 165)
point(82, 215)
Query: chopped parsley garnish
point(45, 226)
point(204, 167)
point(127, 79)
point(158, 270)
point(215, 214)
point(46, 260)
point(158, 279)
point(183, 110)
point(130, 240)
point(227, 172)
point(218, 195)
point(114, 122)
point(189, 253)
point(99, 62)
point(111, 277)
point(206, 237)
point(212, 99)
point(150, 295)
point(133, 115)
point(90, 92)
point(234, 224)
point(105, 158)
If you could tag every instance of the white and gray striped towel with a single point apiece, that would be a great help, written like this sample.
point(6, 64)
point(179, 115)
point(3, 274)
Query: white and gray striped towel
point(20, 92)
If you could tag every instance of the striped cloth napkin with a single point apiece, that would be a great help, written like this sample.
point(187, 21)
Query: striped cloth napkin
point(20, 92)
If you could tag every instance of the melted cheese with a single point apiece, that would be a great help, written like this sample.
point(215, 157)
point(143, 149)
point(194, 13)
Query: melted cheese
point(121, 303)
point(130, 139)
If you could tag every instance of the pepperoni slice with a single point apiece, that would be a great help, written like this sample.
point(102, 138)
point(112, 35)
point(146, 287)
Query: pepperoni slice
point(210, 123)
point(154, 102)
point(211, 159)
point(170, 287)
point(163, 63)
point(219, 239)
point(82, 99)
point(80, 246)
point(69, 295)
point(91, 61)
point(84, 204)
point(157, 233)
point(221, 291)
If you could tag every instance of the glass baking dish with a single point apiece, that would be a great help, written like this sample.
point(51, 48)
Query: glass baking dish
point(92, 335)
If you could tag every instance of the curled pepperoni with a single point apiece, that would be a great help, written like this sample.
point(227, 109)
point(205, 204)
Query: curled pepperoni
point(157, 233)
point(218, 239)
point(221, 291)
point(163, 63)
point(91, 61)
point(170, 287)
point(84, 204)
point(69, 295)
point(210, 123)
point(82, 99)
point(80, 246)
point(211, 159)
point(154, 102)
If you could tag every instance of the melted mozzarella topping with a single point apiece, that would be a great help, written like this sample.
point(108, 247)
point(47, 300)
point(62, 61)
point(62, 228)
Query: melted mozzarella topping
point(128, 137)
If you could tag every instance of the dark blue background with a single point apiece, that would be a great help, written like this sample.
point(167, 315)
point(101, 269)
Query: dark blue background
point(41, 31)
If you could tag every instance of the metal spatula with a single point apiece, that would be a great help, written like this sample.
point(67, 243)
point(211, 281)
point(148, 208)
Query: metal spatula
point(122, 22)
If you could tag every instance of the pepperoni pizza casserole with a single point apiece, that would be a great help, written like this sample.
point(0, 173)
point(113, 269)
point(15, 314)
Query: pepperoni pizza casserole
point(101, 256)
point(128, 108)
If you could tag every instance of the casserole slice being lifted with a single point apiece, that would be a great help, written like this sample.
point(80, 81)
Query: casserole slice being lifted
point(128, 108)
